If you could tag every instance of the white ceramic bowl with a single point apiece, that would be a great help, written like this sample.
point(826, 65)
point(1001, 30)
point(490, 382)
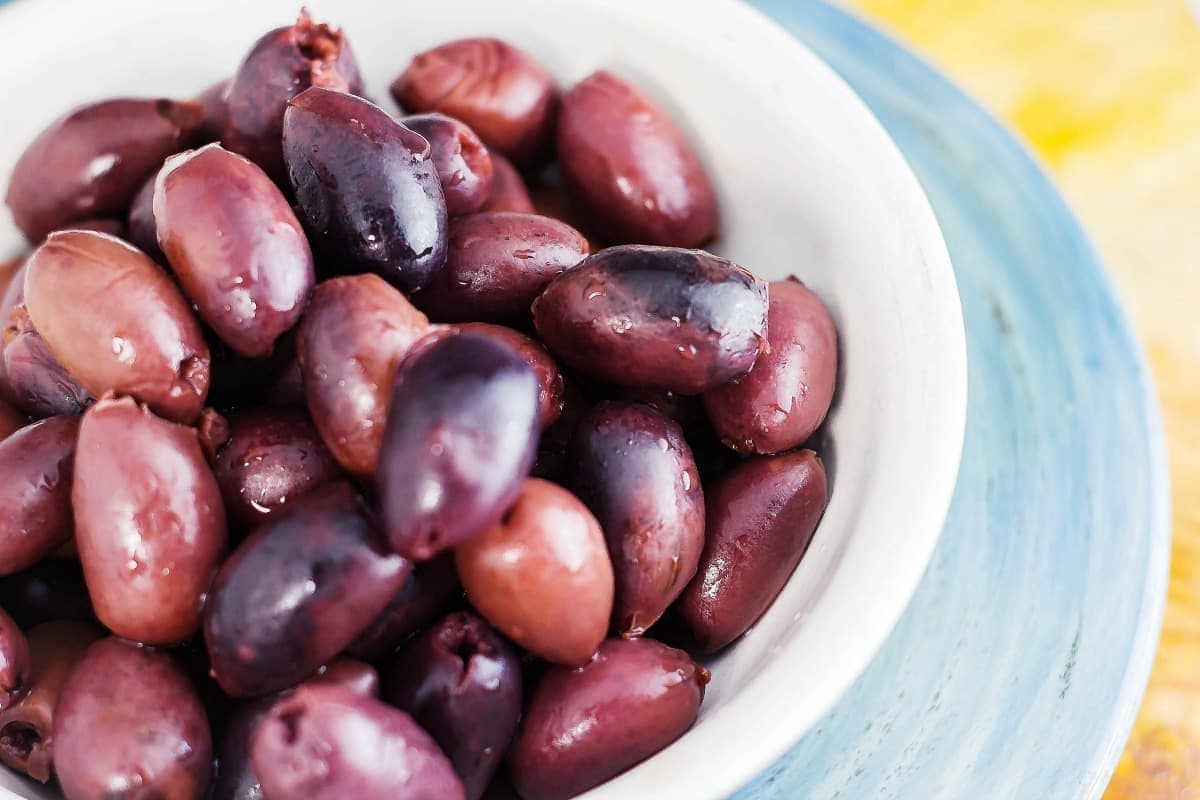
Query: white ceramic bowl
point(809, 184)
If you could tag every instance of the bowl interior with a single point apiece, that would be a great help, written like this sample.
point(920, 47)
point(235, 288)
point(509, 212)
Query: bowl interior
point(809, 185)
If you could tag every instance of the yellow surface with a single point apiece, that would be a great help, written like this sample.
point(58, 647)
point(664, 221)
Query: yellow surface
point(1108, 92)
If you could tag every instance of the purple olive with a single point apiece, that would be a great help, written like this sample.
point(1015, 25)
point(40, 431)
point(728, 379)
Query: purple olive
point(509, 192)
point(551, 386)
point(216, 111)
point(367, 751)
point(422, 598)
point(461, 436)
point(49, 590)
point(656, 317)
point(39, 383)
point(11, 419)
point(16, 668)
point(297, 591)
point(634, 470)
point(141, 230)
point(585, 725)
point(366, 187)
point(36, 468)
point(463, 164)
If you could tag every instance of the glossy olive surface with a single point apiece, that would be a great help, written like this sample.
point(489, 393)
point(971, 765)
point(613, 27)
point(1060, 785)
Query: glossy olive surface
point(236, 246)
point(297, 591)
point(462, 682)
point(463, 164)
point(117, 322)
point(39, 383)
point(366, 187)
point(91, 162)
point(154, 739)
point(36, 468)
point(655, 317)
point(761, 519)
point(51, 589)
point(509, 192)
point(551, 385)
point(583, 726)
point(364, 748)
point(461, 436)
point(430, 588)
point(634, 470)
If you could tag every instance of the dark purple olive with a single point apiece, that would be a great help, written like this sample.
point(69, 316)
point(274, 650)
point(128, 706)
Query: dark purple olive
point(36, 467)
point(550, 381)
point(761, 518)
point(656, 317)
point(633, 469)
point(235, 245)
point(684, 409)
point(91, 162)
point(15, 665)
point(129, 723)
point(141, 230)
point(272, 457)
point(367, 751)
point(216, 111)
point(281, 65)
point(422, 598)
point(463, 164)
point(27, 726)
point(40, 385)
point(509, 192)
point(49, 590)
point(551, 463)
point(462, 682)
point(583, 726)
point(460, 437)
point(297, 591)
point(366, 187)
point(497, 264)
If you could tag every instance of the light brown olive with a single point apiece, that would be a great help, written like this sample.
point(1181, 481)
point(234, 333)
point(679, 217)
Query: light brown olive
point(117, 323)
point(508, 188)
point(148, 521)
point(542, 575)
point(36, 465)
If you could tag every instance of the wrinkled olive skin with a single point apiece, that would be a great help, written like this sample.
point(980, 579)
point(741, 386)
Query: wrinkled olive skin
point(366, 187)
point(40, 385)
point(11, 420)
point(52, 589)
point(655, 317)
point(784, 398)
point(281, 65)
point(461, 436)
point(542, 575)
point(368, 751)
point(129, 723)
point(297, 591)
point(550, 380)
point(141, 230)
point(584, 726)
point(27, 727)
point(461, 681)
point(497, 264)
point(761, 518)
point(630, 168)
point(57, 181)
point(509, 192)
point(463, 164)
point(238, 250)
point(634, 470)
point(272, 457)
point(354, 334)
point(16, 668)
point(118, 323)
point(149, 521)
point(36, 467)
point(503, 94)
point(430, 588)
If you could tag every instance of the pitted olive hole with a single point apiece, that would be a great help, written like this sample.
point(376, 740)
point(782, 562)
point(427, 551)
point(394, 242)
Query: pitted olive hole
point(18, 740)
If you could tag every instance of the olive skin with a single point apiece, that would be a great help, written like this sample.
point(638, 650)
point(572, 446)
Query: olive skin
point(91, 162)
point(216, 111)
point(583, 726)
point(542, 575)
point(497, 264)
point(366, 187)
point(280, 65)
point(551, 386)
point(500, 91)
point(141, 229)
point(430, 588)
point(632, 467)
point(40, 385)
point(509, 192)
point(149, 521)
point(272, 456)
point(27, 726)
point(16, 668)
point(36, 468)
point(630, 168)
point(52, 589)
point(356, 331)
point(117, 323)
point(156, 740)
point(655, 317)
point(11, 420)
point(461, 681)
point(461, 436)
point(761, 518)
point(784, 398)
point(297, 591)
point(235, 245)
point(463, 164)
point(368, 751)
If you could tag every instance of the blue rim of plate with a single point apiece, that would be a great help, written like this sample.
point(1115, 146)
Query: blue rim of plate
point(1018, 667)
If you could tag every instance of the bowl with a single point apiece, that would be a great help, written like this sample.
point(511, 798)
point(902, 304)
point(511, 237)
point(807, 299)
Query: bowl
point(809, 184)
